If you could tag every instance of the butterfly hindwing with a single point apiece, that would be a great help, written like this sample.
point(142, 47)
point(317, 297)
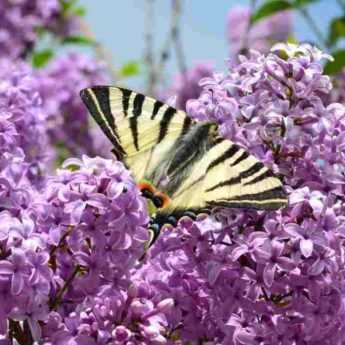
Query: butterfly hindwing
point(228, 176)
point(142, 129)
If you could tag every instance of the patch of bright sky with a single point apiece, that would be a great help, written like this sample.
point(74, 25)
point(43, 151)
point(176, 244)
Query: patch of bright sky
point(119, 26)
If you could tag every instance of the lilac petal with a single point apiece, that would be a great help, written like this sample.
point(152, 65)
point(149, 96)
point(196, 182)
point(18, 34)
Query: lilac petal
point(268, 274)
point(84, 340)
point(260, 256)
point(316, 268)
point(286, 263)
point(3, 324)
point(125, 242)
point(292, 229)
point(75, 209)
point(17, 284)
point(98, 200)
point(6, 267)
point(35, 329)
point(213, 271)
point(245, 337)
point(238, 251)
point(306, 247)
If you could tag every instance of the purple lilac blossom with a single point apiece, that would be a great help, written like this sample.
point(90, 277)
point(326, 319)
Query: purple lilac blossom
point(254, 277)
point(68, 121)
point(24, 142)
point(20, 22)
point(71, 249)
point(186, 85)
point(261, 35)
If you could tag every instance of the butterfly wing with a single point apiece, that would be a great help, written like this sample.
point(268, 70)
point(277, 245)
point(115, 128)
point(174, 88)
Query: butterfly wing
point(141, 129)
point(203, 170)
point(227, 176)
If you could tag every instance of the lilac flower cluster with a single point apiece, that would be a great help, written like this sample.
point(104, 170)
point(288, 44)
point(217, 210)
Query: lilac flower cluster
point(72, 263)
point(68, 121)
point(186, 85)
point(266, 278)
point(20, 22)
point(261, 35)
point(70, 251)
point(24, 142)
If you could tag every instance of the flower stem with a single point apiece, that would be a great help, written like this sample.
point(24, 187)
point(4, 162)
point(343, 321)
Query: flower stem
point(55, 303)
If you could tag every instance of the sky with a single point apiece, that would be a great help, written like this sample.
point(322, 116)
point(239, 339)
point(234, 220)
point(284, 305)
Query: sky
point(119, 26)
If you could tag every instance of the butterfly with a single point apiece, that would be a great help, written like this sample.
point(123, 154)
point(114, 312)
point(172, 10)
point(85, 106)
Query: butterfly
point(183, 167)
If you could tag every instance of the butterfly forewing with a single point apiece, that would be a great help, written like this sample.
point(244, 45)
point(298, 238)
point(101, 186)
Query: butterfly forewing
point(142, 129)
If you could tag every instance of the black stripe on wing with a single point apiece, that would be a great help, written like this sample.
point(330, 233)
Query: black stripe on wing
point(102, 95)
point(222, 158)
point(157, 105)
point(165, 122)
point(261, 177)
point(268, 206)
point(98, 106)
point(133, 120)
point(126, 94)
point(241, 158)
point(271, 199)
point(237, 179)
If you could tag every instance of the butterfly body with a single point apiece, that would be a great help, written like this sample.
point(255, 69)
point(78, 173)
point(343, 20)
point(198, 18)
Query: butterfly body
point(181, 166)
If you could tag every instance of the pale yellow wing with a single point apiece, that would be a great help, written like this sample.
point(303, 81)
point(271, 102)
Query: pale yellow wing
point(228, 176)
point(142, 130)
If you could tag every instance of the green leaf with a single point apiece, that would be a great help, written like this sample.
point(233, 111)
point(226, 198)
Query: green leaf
point(130, 69)
point(67, 5)
point(269, 8)
point(41, 58)
point(70, 7)
point(300, 3)
point(79, 11)
point(333, 67)
point(80, 40)
point(337, 30)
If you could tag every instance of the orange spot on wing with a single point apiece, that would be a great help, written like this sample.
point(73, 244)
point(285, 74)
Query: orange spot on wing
point(166, 200)
point(148, 186)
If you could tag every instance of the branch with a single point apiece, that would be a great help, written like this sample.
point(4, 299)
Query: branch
point(173, 36)
point(55, 303)
point(149, 49)
point(177, 11)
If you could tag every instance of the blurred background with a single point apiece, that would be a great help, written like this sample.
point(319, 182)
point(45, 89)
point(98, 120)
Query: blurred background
point(120, 26)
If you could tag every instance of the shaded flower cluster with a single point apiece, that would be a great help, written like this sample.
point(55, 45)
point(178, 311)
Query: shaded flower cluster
point(260, 36)
point(114, 317)
point(24, 141)
point(186, 86)
point(265, 278)
point(70, 248)
point(21, 21)
point(68, 121)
